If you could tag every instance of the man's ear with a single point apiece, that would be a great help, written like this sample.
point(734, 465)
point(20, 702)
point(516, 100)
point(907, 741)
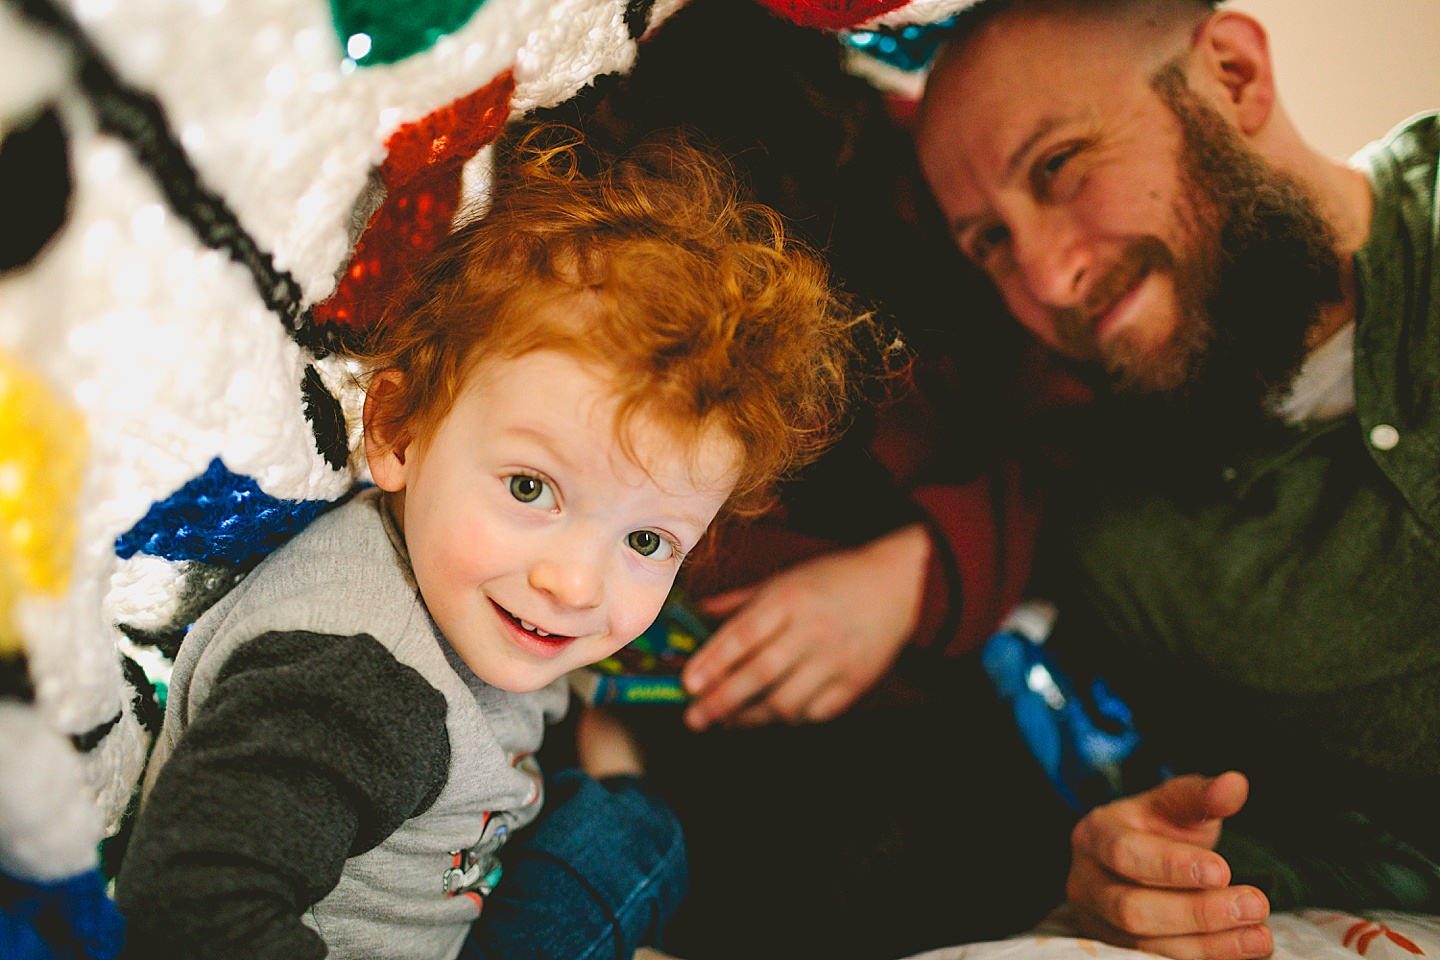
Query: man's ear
point(1232, 64)
point(386, 443)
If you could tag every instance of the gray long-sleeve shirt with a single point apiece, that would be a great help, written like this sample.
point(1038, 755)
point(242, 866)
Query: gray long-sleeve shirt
point(330, 774)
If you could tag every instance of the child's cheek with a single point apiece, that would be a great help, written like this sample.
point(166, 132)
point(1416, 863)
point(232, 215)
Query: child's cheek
point(641, 608)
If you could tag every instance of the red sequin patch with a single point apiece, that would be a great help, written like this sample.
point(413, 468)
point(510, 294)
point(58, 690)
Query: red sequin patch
point(830, 14)
point(421, 174)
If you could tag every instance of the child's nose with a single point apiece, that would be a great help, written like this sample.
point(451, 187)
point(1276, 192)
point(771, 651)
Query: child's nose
point(571, 578)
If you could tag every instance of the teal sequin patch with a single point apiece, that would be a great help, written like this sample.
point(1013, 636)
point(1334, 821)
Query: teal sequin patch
point(386, 31)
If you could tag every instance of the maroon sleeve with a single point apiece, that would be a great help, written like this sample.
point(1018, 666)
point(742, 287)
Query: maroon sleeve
point(979, 493)
point(983, 536)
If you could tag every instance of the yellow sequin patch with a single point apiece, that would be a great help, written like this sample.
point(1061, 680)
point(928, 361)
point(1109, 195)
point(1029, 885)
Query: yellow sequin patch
point(42, 456)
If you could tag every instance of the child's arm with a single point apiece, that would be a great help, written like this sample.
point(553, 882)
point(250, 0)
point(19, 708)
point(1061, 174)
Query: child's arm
point(309, 749)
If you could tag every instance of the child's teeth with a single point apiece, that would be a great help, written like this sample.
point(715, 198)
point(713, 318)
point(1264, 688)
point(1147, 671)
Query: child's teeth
point(533, 629)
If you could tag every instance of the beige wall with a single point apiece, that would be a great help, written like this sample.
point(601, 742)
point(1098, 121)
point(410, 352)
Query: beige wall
point(1349, 70)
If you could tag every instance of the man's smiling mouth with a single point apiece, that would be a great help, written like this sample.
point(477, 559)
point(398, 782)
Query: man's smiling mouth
point(1103, 320)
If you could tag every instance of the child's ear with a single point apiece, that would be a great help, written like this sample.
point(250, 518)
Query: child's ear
point(385, 441)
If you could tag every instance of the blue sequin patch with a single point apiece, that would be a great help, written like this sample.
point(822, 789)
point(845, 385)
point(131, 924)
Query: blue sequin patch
point(219, 517)
point(908, 48)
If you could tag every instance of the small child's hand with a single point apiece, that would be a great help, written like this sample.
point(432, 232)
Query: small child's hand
point(605, 745)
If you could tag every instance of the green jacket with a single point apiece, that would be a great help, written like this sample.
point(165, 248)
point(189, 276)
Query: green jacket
point(1274, 603)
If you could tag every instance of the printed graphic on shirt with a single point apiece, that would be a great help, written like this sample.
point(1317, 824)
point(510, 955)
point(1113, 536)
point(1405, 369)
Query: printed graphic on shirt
point(475, 870)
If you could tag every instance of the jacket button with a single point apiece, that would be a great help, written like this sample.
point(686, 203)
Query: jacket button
point(1384, 437)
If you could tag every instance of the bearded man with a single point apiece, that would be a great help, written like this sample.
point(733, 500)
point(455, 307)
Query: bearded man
point(1252, 545)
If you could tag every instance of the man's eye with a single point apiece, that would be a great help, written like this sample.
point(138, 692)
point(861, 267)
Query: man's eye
point(984, 241)
point(650, 544)
point(1051, 167)
point(532, 490)
point(992, 237)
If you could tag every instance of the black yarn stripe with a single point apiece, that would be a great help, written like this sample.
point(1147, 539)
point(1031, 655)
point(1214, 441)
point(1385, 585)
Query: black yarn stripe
point(144, 699)
point(166, 641)
point(327, 420)
point(637, 17)
point(35, 187)
point(137, 117)
point(15, 678)
point(90, 739)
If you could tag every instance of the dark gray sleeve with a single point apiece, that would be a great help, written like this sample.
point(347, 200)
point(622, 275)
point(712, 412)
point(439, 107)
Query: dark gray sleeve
point(310, 749)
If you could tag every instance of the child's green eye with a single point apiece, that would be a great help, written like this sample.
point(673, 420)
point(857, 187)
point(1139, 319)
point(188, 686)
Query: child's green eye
point(532, 490)
point(648, 543)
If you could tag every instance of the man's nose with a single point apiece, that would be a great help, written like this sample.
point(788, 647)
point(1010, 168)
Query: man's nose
point(571, 574)
point(1052, 258)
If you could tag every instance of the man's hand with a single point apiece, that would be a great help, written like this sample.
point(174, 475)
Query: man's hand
point(1144, 874)
point(806, 643)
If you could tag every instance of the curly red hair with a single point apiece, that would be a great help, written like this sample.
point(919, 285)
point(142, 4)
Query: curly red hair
point(652, 265)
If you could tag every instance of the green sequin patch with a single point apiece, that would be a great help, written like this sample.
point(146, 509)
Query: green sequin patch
point(386, 31)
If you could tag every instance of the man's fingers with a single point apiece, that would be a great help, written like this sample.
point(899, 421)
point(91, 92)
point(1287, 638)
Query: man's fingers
point(749, 681)
point(1226, 794)
point(1148, 858)
point(1143, 873)
point(811, 694)
point(721, 702)
point(755, 715)
point(1195, 801)
point(724, 604)
point(1143, 912)
point(790, 700)
point(1246, 943)
point(1148, 912)
point(1241, 943)
point(832, 701)
point(736, 640)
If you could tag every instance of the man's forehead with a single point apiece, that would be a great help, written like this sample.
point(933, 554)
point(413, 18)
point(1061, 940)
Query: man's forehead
point(986, 104)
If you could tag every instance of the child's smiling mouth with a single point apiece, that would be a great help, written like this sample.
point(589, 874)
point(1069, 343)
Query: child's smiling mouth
point(550, 642)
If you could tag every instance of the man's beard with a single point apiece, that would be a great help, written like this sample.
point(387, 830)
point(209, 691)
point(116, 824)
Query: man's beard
point(1259, 264)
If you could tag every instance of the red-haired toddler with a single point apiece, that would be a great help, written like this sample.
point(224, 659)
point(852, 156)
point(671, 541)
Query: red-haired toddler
point(576, 385)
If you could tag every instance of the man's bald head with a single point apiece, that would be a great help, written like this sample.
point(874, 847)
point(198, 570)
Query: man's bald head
point(1154, 14)
point(1153, 30)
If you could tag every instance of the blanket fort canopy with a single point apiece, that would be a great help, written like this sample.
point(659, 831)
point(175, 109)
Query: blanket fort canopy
point(199, 201)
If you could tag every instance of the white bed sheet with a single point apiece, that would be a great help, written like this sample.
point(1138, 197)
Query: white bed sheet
point(1301, 935)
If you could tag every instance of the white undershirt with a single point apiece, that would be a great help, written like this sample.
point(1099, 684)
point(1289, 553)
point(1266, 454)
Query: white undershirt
point(1325, 386)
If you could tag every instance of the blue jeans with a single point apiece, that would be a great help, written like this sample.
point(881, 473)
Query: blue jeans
point(599, 874)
